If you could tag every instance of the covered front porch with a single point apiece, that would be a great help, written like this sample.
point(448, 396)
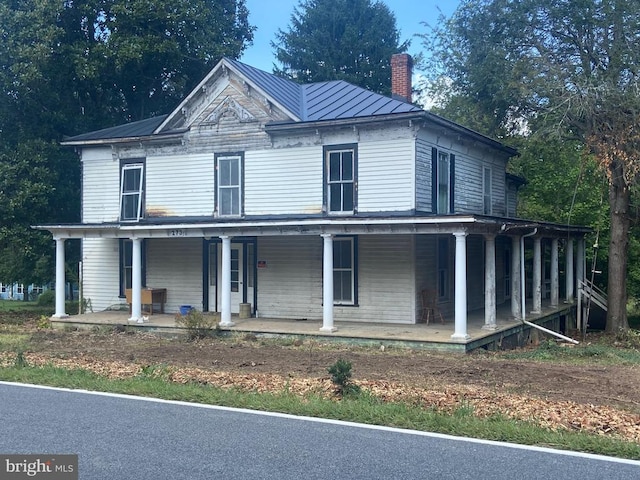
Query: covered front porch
point(463, 275)
point(509, 332)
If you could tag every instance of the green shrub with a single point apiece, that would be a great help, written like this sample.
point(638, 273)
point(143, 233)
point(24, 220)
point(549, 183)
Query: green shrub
point(20, 361)
point(47, 298)
point(341, 377)
point(197, 324)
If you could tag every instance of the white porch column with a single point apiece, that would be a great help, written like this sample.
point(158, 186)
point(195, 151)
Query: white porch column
point(490, 283)
point(555, 287)
point(327, 284)
point(460, 332)
point(537, 275)
point(580, 263)
point(569, 271)
point(136, 280)
point(225, 281)
point(60, 279)
point(516, 292)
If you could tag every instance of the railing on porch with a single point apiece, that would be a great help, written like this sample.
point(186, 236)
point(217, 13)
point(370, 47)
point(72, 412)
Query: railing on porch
point(588, 293)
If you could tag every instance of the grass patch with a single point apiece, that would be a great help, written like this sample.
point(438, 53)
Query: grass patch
point(11, 342)
point(363, 408)
point(602, 352)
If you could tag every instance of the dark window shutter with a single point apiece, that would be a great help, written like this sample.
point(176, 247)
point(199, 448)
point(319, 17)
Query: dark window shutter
point(452, 182)
point(434, 180)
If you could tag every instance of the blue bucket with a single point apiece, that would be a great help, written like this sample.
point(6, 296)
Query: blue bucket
point(185, 309)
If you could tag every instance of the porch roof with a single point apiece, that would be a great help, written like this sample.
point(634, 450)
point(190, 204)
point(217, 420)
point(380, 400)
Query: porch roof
point(236, 227)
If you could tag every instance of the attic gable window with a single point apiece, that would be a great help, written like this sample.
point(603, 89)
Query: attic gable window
point(442, 181)
point(131, 190)
point(340, 179)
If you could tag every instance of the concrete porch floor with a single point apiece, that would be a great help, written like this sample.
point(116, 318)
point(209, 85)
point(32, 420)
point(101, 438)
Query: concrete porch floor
point(433, 336)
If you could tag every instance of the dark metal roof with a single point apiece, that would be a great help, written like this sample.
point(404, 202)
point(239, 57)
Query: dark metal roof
point(322, 100)
point(283, 91)
point(141, 128)
point(313, 104)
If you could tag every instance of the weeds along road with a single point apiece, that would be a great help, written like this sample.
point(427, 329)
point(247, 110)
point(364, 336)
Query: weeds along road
point(125, 437)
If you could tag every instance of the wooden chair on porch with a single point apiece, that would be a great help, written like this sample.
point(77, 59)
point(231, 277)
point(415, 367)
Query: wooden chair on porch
point(429, 302)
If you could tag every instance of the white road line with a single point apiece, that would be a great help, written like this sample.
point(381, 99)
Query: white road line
point(333, 422)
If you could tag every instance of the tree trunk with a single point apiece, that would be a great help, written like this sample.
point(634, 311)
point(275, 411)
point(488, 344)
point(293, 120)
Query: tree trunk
point(619, 197)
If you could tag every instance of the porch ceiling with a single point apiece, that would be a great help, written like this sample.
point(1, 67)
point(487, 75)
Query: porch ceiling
point(470, 224)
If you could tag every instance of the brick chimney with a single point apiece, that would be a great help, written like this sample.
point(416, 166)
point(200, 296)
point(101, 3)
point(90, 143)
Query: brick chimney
point(401, 69)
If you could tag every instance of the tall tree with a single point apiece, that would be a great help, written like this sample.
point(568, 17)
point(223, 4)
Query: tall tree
point(350, 40)
point(574, 67)
point(68, 67)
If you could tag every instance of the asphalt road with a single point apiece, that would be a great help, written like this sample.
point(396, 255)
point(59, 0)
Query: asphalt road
point(120, 437)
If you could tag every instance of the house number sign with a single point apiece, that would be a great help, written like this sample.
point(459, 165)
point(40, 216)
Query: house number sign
point(177, 232)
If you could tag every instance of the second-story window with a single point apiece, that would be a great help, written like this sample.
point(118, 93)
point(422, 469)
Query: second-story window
point(340, 174)
point(443, 176)
point(229, 185)
point(487, 186)
point(131, 190)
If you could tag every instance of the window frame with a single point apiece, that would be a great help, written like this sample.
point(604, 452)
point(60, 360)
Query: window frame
point(328, 182)
point(353, 269)
point(443, 263)
point(436, 170)
point(487, 193)
point(507, 259)
point(239, 186)
point(127, 165)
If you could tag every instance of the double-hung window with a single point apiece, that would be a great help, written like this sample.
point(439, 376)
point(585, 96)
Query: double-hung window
point(486, 188)
point(443, 268)
point(126, 265)
point(442, 181)
point(344, 271)
point(507, 273)
point(340, 175)
point(229, 185)
point(131, 190)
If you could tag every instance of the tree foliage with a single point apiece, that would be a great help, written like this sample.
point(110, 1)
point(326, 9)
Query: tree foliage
point(351, 40)
point(68, 67)
point(569, 67)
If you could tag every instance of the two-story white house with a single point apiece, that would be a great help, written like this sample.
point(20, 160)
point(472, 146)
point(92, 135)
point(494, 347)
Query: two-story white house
point(319, 201)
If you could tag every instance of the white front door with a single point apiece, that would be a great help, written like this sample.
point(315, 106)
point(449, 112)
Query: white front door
point(238, 268)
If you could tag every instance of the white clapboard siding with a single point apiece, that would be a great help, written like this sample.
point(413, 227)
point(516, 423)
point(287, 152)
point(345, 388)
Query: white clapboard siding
point(386, 281)
point(101, 277)
point(283, 181)
point(469, 163)
point(290, 284)
point(180, 185)
point(423, 176)
point(176, 264)
point(100, 185)
point(385, 176)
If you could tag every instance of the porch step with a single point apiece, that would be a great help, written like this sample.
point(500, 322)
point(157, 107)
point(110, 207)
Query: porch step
point(589, 294)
